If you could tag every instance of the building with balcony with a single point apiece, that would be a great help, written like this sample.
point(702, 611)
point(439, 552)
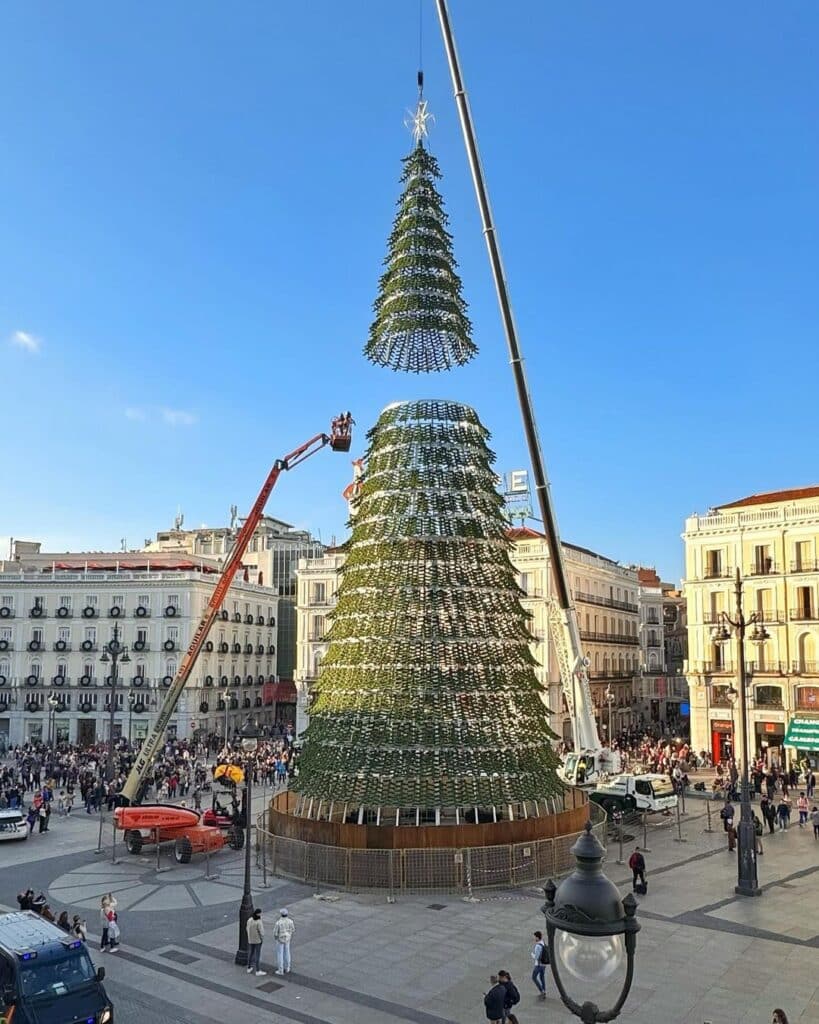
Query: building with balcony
point(660, 689)
point(773, 540)
point(605, 597)
point(58, 610)
point(271, 560)
point(316, 597)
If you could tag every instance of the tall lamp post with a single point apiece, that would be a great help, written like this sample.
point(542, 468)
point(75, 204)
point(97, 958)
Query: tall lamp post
point(226, 700)
point(610, 699)
point(114, 652)
point(54, 704)
point(747, 882)
point(250, 740)
point(590, 929)
point(132, 699)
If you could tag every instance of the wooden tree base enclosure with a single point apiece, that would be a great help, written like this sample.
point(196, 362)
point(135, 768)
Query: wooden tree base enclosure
point(457, 858)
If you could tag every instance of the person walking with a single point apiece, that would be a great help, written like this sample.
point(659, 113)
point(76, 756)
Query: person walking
point(783, 812)
point(495, 1000)
point(283, 931)
point(104, 923)
point(779, 1017)
point(814, 818)
point(637, 863)
point(540, 956)
point(802, 807)
point(732, 837)
point(810, 783)
point(727, 815)
point(512, 997)
point(758, 830)
point(255, 937)
point(768, 812)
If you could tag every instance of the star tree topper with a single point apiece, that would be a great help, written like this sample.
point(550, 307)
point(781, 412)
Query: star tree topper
point(417, 122)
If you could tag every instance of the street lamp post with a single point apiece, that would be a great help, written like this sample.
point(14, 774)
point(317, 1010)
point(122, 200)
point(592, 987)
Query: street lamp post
point(54, 703)
point(590, 928)
point(132, 699)
point(610, 698)
point(114, 652)
point(250, 739)
point(747, 881)
point(226, 700)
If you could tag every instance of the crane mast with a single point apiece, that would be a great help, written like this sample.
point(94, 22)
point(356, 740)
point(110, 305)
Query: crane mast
point(339, 439)
point(562, 616)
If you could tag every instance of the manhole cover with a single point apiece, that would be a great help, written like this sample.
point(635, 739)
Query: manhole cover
point(269, 986)
point(179, 958)
point(437, 906)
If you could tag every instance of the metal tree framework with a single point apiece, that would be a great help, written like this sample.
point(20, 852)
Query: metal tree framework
point(420, 322)
point(428, 708)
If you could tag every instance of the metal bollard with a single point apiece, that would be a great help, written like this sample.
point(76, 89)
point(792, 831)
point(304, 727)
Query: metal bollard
point(679, 838)
point(99, 840)
point(618, 821)
point(645, 832)
point(708, 813)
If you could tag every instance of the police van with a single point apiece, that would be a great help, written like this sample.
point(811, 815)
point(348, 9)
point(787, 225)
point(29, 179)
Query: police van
point(46, 976)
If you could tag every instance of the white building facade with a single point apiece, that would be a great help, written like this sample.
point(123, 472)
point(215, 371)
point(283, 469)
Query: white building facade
point(58, 611)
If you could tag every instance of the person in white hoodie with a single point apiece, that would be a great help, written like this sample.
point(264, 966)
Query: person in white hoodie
point(283, 932)
point(255, 937)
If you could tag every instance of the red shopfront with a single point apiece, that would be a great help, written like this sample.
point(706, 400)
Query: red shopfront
point(722, 740)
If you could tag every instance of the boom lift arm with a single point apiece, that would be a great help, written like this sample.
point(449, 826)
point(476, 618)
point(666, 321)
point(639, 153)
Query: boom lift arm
point(339, 439)
point(562, 615)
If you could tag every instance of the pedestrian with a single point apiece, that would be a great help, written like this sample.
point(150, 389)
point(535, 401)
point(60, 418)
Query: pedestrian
point(63, 922)
point(732, 838)
point(810, 783)
point(495, 1000)
point(512, 997)
point(779, 1017)
point(758, 830)
point(255, 937)
point(113, 929)
point(727, 815)
point(42, 816)
point(637, 863)
point(104, 924)
point(283, 932)
point(802, 807)
point(540, 956)
point(814, 817)
point(783, 812)
point(79, 928)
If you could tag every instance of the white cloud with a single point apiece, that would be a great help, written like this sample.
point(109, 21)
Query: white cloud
point(178, 417)
point(134, 414)
point(24, 340)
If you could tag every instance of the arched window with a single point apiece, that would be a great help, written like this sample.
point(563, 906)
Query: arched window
point(807, 653)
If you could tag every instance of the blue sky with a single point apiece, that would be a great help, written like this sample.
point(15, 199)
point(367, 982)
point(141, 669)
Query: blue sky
point(195, 205)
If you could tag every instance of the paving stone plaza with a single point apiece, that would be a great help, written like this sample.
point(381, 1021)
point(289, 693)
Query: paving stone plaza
point(703, 954)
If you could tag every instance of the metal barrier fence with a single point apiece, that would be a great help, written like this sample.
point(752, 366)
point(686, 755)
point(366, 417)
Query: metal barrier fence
point(421, 870)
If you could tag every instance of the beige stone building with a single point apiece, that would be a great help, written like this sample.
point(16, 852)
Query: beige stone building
point(606, 596)
point(315, 598)
point(773, 540)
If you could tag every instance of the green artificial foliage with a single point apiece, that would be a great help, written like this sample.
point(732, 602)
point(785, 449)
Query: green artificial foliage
point(427, 697)
point(420, 317)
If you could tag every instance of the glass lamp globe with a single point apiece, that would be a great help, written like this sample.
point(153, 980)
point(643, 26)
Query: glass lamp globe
point(249, 743)
point(590, 960)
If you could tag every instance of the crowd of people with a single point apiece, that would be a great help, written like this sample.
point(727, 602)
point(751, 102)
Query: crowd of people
point(42, 780)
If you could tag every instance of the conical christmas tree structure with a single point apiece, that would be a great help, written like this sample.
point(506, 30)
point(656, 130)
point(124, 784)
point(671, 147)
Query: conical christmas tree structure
point(420, 317)
point(428, 698)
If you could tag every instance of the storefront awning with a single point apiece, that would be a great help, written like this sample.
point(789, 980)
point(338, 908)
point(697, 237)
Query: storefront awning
point(803, 733)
